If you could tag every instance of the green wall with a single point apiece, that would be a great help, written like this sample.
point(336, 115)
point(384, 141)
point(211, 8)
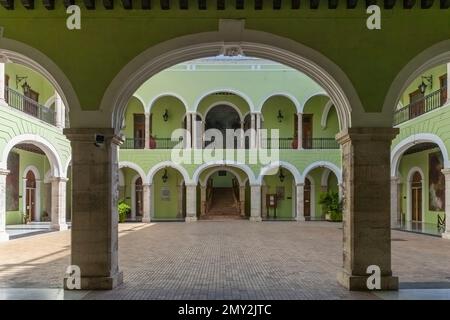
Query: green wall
point(166, 209)
point(134, 107)
point(285, 207)
point(270, 113)
point(176, 112)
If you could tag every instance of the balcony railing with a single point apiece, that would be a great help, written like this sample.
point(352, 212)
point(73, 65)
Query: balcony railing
point(163, 143)
point(426, 104)
point(283, 143)
point(320, 143)
point(133, 144)
point(29, 106)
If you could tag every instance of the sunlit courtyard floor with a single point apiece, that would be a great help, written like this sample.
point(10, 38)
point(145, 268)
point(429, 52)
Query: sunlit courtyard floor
point(224, 260)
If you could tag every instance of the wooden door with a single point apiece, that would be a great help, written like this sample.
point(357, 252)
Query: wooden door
point(139, 205)
point(417, 104)
point(30, 104)
point(307, 199)
point(139, 131)
point(307, 127)
point(30, 197)
point(443, 87)
point(416, 197)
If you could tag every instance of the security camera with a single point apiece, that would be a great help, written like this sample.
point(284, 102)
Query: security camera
point(99, 140)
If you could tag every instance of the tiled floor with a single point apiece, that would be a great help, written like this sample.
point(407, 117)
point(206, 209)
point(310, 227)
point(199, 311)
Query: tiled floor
point(225, 260)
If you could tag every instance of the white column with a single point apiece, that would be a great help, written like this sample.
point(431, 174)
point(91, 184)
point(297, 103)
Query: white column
point(300, 189)
point(147, 202)
point(255, 202)
point(2, 85)
point(203, 200)
point(264, 206)
point(300, 130)
point(188, 143)
point(341, 190)
point(446, 234)
point(395, 182)
point(37, 206)
point(253, 128)
point(147, 131)
point(59, 111)
point(59, 204)
point(180, 201)
point(3, 235)
point(196, 131)
point(191, 203)
point(242, 199)
point(258, 130)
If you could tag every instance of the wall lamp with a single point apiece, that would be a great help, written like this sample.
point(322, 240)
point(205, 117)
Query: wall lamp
point(165, 177)
point(423, 86)
point(280, 116)
point(166, 115)
point(281, 175)
point(19, 79)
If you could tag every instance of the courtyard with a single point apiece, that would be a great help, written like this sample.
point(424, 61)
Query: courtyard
point(224, 260)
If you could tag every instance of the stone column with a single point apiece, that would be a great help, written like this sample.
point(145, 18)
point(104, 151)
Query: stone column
point(446, 234)
point(58, 209)
point(180, 201)
point(203, 200)
point(253, 128)
point(264, 206)
point(95, 199)
point(366, 219)
point(395, 219)
point(147, 131)
point(2, 85)
point(300, 130)
point(258, 130)
point(3, 235)
point(341, 190)
point(242, 200)
point(191, 203)
point(59, 111)
point(255, 202)
point(147, 203)
point(300, 189)
point(188, 142)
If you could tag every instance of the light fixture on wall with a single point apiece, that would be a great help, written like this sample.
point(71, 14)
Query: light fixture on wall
point(166, 115)
point(165, 177)
point(281, 175)
point(423, 86)
point(19, 79)
point(280, 116)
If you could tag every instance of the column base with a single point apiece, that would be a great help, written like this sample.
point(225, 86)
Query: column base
point(190, 219)
point(4, 236)
point(359, 283)
point(60, 227)
point(300, 219)
point(446, 235)
point(146, 220)
point(255, 219)
point(99, 283)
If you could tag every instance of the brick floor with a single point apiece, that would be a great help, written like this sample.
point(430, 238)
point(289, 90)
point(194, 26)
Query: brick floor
point(224, 260)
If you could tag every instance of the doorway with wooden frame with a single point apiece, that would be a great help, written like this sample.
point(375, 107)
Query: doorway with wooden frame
point(30, 197)
point(416, 197)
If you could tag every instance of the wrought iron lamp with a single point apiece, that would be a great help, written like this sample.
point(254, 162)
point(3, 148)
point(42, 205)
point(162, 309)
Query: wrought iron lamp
point(165, 177)
point(423, 86)
point(166, 115)
point(19, 79)
point(280, 116)
point(281, 176)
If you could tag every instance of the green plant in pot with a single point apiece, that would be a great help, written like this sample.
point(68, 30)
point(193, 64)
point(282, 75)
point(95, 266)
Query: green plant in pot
point(124, 209)
point(331, 205)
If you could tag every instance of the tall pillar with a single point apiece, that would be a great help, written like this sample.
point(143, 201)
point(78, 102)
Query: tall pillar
point(180, 201)
point(147, 203)
point(203, 200)
point(2, 85)
point(58, 209)
point(366, 220)
point(94, 211)
point(258, 130)
point(300, 189)
point(446, 234)
point(59, 111)
point(147, 131)
point(191, 203)
point(395, 219)
point(300, 130)
point(188, 142)
point(3, 235)
point(242, 200)
point(255, 203)
point(253, 128)
point(341, 191)
point(264, 206)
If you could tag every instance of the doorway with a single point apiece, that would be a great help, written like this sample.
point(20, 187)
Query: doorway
point(30, 197)
point(416, 197)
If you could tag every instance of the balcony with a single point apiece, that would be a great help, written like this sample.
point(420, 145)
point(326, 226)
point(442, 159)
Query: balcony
point(29, 106)
point(424, 105)
point(155, 143)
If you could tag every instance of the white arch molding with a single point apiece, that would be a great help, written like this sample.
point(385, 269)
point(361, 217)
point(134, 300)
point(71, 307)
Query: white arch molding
point(224, 103)
point(234, 91)
point(273, 168)
point(229, 169)
point(167, 164)
point(291, 97)
point(49, 150)
point(133, 195)
point(37, 196)
point(148, 107)
point(409, 194)
point(141, 100)
point(135, 167)
point(398, 151)
point(252, 43)
point(326, 111)
point(323, 164)
point(325, 176)
point(224, 164)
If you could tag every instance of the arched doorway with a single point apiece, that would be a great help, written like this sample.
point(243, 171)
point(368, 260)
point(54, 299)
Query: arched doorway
point(222, 117)
point(307, 199)
point(416, 197)
point(30, 209)
point(139, 197)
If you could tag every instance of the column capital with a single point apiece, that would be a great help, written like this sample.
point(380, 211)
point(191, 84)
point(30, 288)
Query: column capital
point(4, 172)
point(88, 135)
point(395, 180)
point(58, 179)
point(367, 134)
point(299, 185)
point(446, 172)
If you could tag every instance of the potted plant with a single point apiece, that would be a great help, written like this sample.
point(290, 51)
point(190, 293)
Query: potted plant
point(331, 206)
point(124, 209)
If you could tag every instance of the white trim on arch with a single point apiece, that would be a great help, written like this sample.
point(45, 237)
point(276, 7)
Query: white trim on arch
point(167, 164)
point(34, 139)
point(148, 107)
point(326, 111)
point(141, 100)
point(226, 103)
point(50, 101)
point(135, 167)
point(229, 169)
point(291, 97)
point(37, 196)
point(133, 195)
point(409, 193)
point(234, 91)
point(225, 163)
point(311, 96)
point(312, 205)
point(325, 176)
point(405, 144)
point(322, 164)
point(275, 166)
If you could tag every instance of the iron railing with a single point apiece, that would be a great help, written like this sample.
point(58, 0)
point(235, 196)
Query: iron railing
point(283, 143)
point(441, 225)
point(29, 106)
point(426, 104)
point(131, 143)
point(320, 143)
point(163, 143)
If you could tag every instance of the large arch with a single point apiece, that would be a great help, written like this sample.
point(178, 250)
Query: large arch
point(405, 144)
point(224, 103)
point(274, 167)
point(230, 169)
point(225, 163)
point(56, 166)
point(433, 56)
point(149, 105)
point(135, 167)
point(227, 90)
point(322, 164)
point(287, 95)
point(252, 43)
point(165, 164)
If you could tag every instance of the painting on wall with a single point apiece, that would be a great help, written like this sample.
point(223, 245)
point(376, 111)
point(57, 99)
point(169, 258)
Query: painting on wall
point(436, 182)
point(12, 183)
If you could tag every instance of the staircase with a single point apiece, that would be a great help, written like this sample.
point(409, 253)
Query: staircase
point(223, 205)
